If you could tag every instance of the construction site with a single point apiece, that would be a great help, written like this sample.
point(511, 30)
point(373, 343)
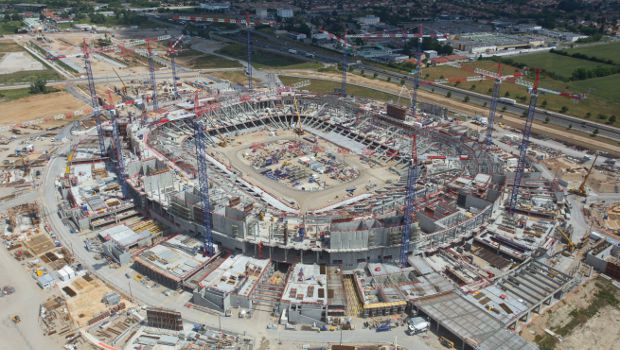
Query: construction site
point(293, 211)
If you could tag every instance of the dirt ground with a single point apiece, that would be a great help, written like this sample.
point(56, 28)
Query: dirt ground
point(87, 303)
point(594, 334)
point(599, 181)
point(511, 120)
point(304, 199)
point(38, 106)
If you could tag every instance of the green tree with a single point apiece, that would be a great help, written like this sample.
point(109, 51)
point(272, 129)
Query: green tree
point(547, 120)
point(564, 109)
point(466, 99)
point(472, 87)
point(612, 119)
point(594, 132)
point(544, 103)
point(507, 94)
point(570, 126)
point(38, 86)
point(449, 94)
point(588, 115)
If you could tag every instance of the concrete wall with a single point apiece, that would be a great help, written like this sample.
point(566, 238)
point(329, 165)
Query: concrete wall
point(306, 314)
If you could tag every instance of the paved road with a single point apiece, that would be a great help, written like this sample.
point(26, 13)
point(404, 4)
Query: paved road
point(24, 302)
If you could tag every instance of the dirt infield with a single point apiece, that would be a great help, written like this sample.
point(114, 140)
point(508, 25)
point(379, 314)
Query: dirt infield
point(33, 107)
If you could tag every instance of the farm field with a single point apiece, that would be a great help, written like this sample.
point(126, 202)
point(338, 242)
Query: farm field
point(602, 94)
point(609, 51)
point(560, 65)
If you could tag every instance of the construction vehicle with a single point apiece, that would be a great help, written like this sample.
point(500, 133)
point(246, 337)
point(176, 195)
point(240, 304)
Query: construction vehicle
point(123, 91)
point(581, 190)
point(570, 245)
point(298, 126)
point(446, 342)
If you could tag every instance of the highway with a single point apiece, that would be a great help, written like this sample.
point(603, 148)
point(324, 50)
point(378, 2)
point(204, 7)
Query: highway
point(562, 120)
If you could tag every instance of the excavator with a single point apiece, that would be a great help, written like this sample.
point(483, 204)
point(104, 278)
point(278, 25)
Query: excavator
point(298, 127)
point(581, 190)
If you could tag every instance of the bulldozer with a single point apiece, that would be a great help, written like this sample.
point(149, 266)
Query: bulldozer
point(581, 190)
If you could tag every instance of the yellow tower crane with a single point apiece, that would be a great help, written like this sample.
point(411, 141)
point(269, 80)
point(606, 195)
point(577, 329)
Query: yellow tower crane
point(581, 190)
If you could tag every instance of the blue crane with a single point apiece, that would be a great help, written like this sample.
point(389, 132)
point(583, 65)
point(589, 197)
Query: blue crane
point(200, 139)
point(249, 33)
point(152, 74)
point(93, 98)
point(525, 141)
point(345, 67)
point(412, 179)
point(416, 73)
point(493, 107)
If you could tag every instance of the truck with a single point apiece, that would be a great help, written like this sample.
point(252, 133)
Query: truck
point(417, 325)
point(293, 51)
point(508, 101)
point(384, 327)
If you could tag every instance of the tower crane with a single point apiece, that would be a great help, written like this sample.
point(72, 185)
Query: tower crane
point(93, 97)
point(525, 141)
point(152, 74)
point(172, 52)
point(412, 179)
point(200, 139)
point(581, 190)
point(298, 126)
point(416, 73)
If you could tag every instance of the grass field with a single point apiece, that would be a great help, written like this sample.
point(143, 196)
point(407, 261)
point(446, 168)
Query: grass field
point(561, 65)
point(605, 87)
point(10, 95)
point(9, 27)
point(235, 77)
point(16, 94)
point(325, 86)
point(199, 60)
point(609, 51)
point(260, 58)
point(603, 96)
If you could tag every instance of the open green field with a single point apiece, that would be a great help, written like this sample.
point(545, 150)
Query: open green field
point(14, 94)
point(199, 60)
point(325, 86)
point(9, 27)
point(561, 65)
point(605, 87)
point(609, 51)
point(260, 58)
point(602, 94)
